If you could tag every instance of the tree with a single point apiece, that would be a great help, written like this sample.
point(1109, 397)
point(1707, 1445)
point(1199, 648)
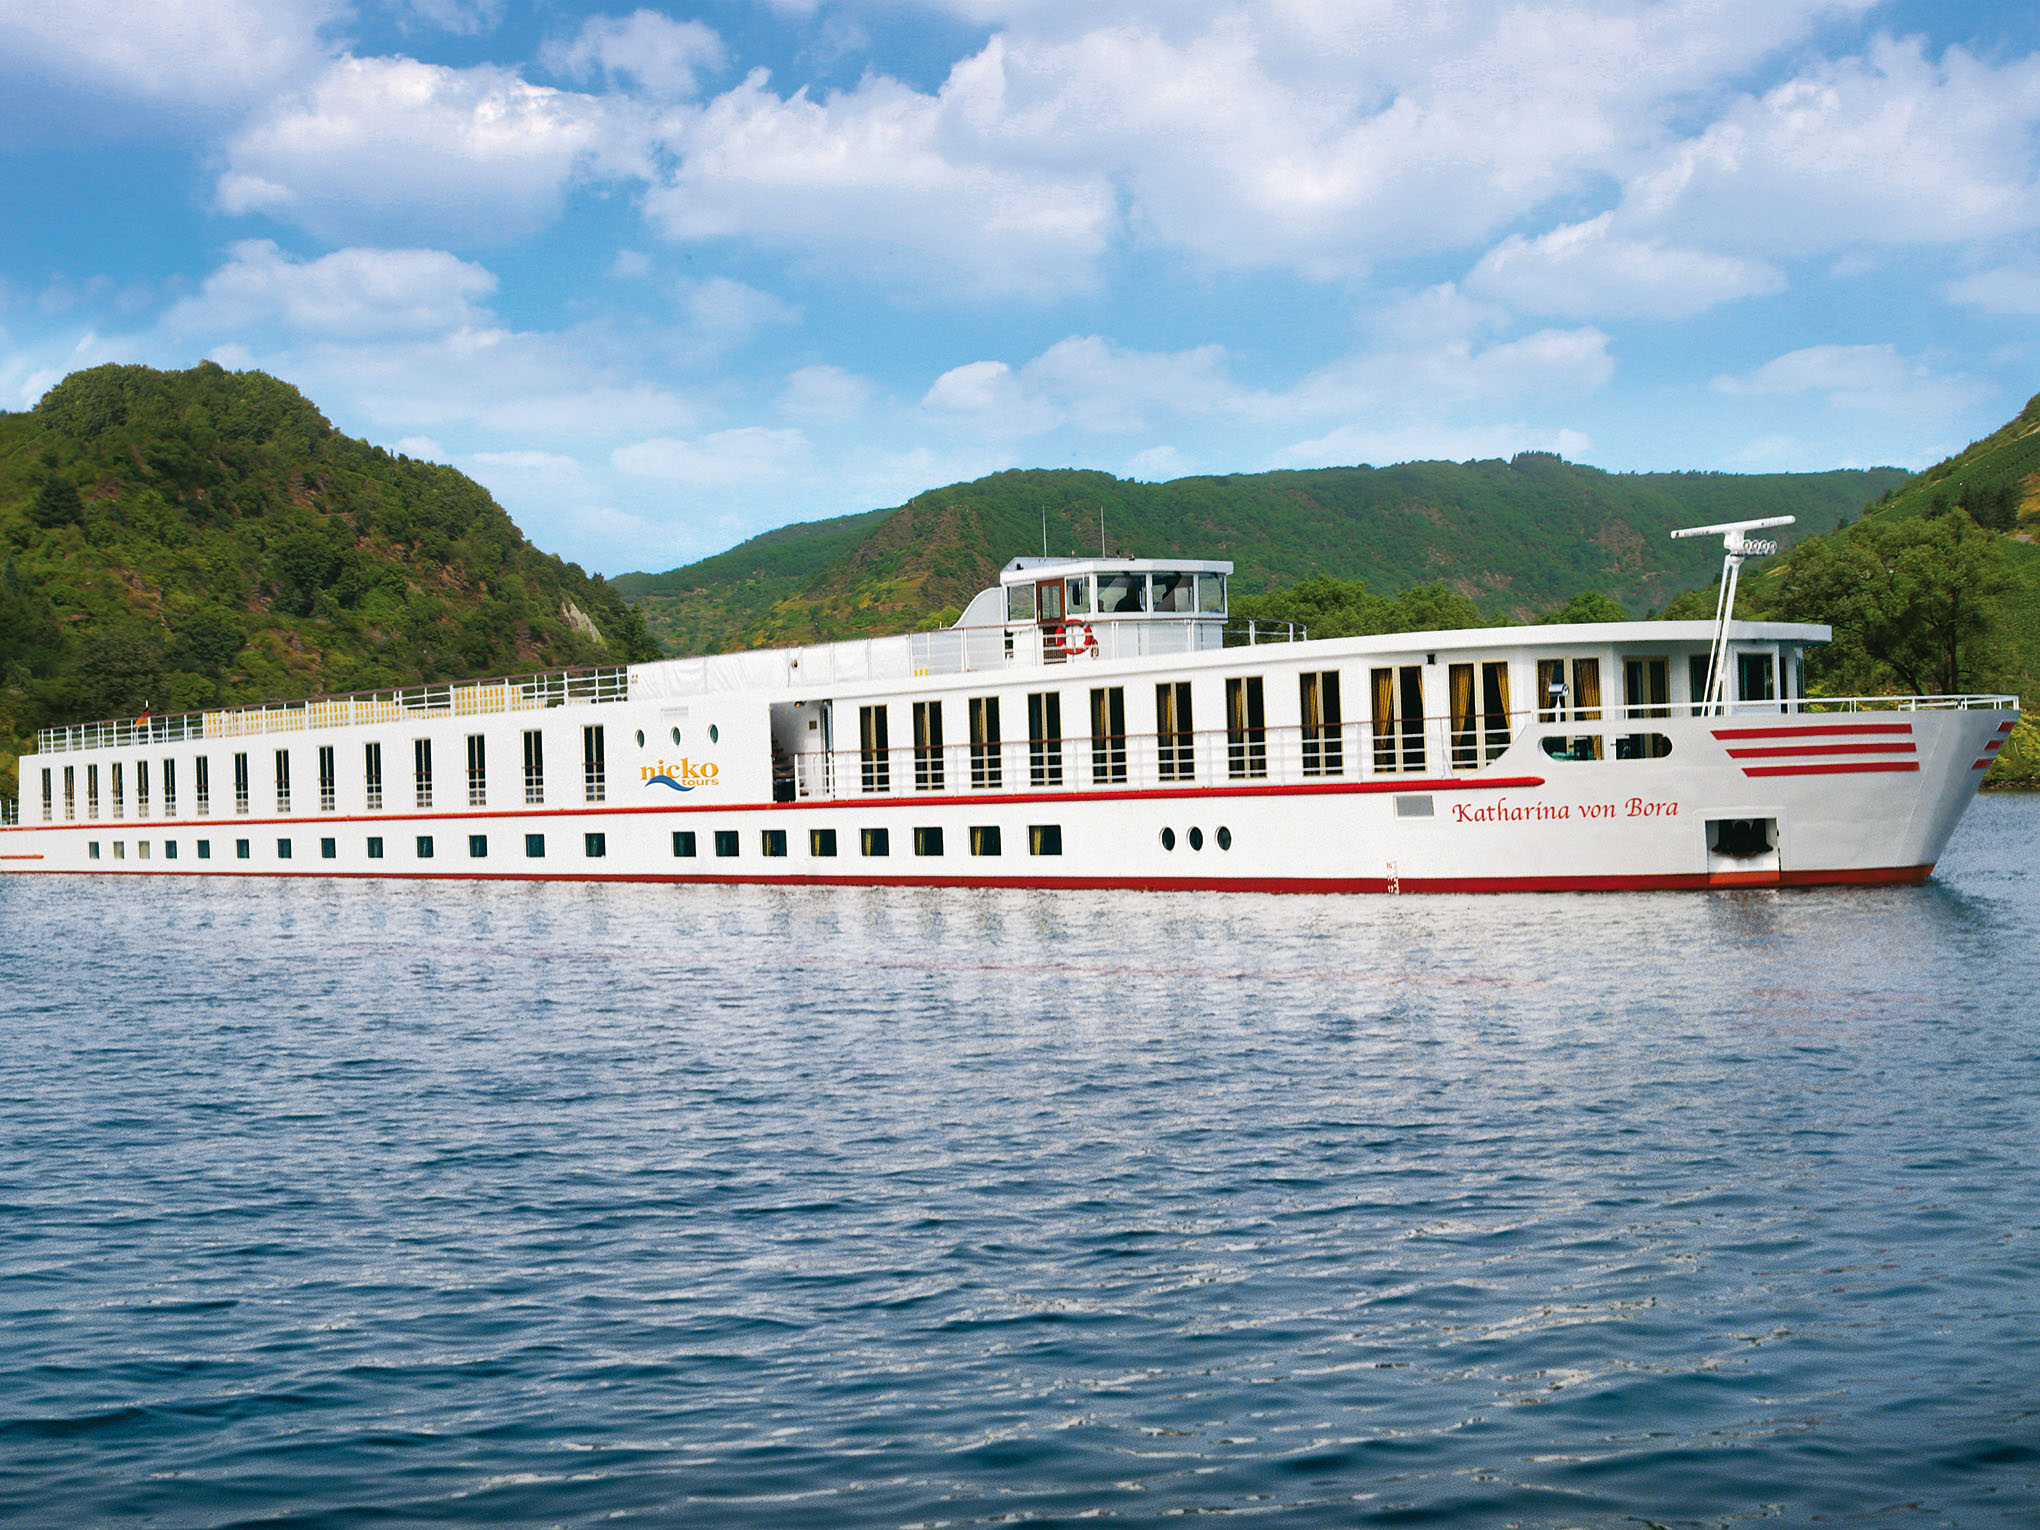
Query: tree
point(57, 503)
point(1588, 606)
point(1911, 601)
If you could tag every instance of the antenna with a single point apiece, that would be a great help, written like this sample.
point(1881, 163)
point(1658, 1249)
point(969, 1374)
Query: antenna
point(1735, 547)
point(1044, 530)
point(1101, 528)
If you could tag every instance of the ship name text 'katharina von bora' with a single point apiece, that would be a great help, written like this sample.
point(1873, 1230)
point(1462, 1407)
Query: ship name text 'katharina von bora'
point(1089, 722)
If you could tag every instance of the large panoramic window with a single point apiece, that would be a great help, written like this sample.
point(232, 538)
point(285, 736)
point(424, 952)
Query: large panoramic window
point(371, 776)
point(1108, 735)
point(1246, 728)
point(421, 771)
point(1323, 745)
point(477, 769)
point(874, 749)
point(985, 766)
point(534, 766)
point(594, 776)
point(927, 746)
point(1399, 718)
point(1044, 739)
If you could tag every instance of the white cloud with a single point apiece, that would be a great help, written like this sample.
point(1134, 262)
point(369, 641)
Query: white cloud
point(1157, 464)
point(462, 17)
point(1351, 445)
point(726, 457)
point(1581, 270)
point(422, 446)
point(2003, 289)
point(353, 293)
point(727, 313)
point(823, 392)
point(394, 148)
point(217, 53)
point(1867, 377)
point(661, 57)
point(1087, 382)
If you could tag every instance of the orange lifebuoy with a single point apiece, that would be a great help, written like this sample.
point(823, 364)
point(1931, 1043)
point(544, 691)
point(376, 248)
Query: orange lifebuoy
point(1078, 638)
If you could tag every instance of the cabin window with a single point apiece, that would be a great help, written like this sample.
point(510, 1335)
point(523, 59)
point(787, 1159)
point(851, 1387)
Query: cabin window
point(115, 795)
point(201, 785)
point(477, 769)
point(371, 776)
point(1108, 734)
point(772, 842)
point(92, 792)
point(874, 749)
point(283, 780)
point(534, 766)
point(595, 846)
point(821, 842)
point(1044, 839)
point(478, 846)
point(928, 840)
point(985, 764)
point(725, 842)
point(120, 849)
point(984, 839)
point(1224, 837)
point(242, 849)
point(205, 849)
point(1246, 728)
point(1120, 594)
point(1168, 839)
point(327, 785)
point(1480, 716)
point(49, 800)
point(141, 849)
point(1323, 752)
point(1044, 739)
point(927, 746)
point(329, 849)
point(1077, 596)
point(92, 849)
point(375, 847)
point(1576, 747)
point(424, 847)
point(875, 841)
point(169, 849)
point(1211, 594)
point(1647, 693)
point(683, 844)
point(421, 771)
point(141, 788)
point(1754, 681)
point(70, 793)
point(1173, 592)
point(283, 849)
point(169, 788)
point(1175, 748)
point(240, 783)
point(534, 847)
point(1568, 691)
point(1399, 718)
point(594, 777)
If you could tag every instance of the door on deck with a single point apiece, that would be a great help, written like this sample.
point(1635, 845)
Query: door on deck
point(1048, 610)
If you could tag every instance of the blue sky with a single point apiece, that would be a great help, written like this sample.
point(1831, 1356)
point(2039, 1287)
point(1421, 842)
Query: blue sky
point(665, 277)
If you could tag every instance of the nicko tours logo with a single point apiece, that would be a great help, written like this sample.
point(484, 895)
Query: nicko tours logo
point(682, 775)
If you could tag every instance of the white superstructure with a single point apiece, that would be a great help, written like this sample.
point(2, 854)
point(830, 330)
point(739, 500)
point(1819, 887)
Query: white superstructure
point(1091, 722)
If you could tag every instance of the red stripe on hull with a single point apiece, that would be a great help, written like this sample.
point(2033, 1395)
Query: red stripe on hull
point(1826, 749)
point(1830, 770)
point(1840, 728)
point(1639, 882)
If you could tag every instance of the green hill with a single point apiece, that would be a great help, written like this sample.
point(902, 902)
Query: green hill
point(1517, 537)
point(184, 539)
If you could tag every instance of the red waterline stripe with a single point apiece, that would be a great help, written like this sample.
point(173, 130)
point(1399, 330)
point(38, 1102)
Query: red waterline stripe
point(1726, 733)
point(20, 857)
point(1828, 749)
point(887, 799)
point(1642, 882)
point(1859, 768)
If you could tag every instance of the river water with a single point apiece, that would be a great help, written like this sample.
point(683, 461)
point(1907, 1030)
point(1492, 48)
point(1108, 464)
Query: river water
point(342, 1204)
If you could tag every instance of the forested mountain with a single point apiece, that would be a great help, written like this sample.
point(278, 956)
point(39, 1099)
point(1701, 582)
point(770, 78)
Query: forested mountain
point(182, 539)
point(1516, 537)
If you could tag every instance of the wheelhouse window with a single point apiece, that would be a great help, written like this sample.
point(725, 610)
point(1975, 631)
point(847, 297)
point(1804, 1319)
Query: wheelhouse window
point(1211, 594)
point(1019, 602)
point(477, 769)
point(283, 780)
point(874, 749)
point(371, 776)
point(1077, 596)
point(1246, 728)
point(1323, 747)
point(986, 767)
point(1175, 747)
point(1108, 735)
point(1755, 680)
point(594, 777)
point(1399, 718)
point(328, 786)
point(534, 766)
point(1044, 738)
point(421, 771)
point(1173, 592)
point(1120, 594)
point(927, 746)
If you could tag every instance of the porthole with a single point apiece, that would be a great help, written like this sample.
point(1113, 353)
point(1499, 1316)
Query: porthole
point(714, 733)
point(676, 735)
point(1168, 839)
point(1196, 839)
point(1224, 838)
point(641, 738)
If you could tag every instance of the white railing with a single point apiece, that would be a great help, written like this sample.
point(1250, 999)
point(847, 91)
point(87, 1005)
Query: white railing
point(1081, 640)
point(10, 812)
point(521, 693)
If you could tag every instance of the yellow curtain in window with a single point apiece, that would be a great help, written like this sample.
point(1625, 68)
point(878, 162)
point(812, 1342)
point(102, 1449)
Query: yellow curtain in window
point(1587, 689)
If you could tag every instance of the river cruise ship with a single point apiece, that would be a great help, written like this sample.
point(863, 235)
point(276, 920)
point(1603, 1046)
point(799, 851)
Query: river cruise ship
point(1088, 723)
